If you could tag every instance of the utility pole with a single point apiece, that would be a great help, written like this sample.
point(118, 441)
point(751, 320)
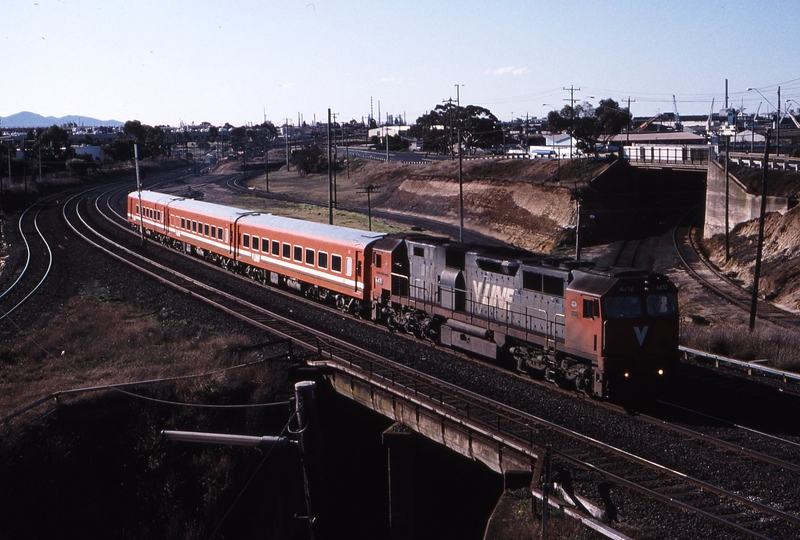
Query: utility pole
point(370, 189)
point(757, 272)
point(139, 188)
point(628, 133)
point(778, 127)
point(286, 139)
point(335, 161)
point(330, 177)
point(266, 161)
point(571, 113)
point(460, 182)
point(727, 183)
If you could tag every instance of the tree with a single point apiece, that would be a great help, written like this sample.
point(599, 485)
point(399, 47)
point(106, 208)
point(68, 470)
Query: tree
point(152, 141)
point(438, 129)
point(588, 124)
point(309, 159)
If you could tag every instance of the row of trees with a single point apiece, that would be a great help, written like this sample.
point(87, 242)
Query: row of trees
point(480, 128)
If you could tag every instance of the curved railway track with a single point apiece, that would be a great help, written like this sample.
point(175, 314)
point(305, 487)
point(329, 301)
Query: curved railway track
point(38, 261)
point(741, 515)
point(711, 279)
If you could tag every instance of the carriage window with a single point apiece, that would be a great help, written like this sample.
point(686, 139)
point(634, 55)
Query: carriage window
point(322, 260)
point(553, 285)
point(348, 266)
point(219, 233)
point(276, 248)
point(336, 263)
point(194, 226)
point(246, 240)
point(205, 229)
point(213, 231)
point(183, 223)
point(419, 251)
point(136, 211)
point(287, 251)
point(377, 260)
point(265, 245)
point(309, 256)
point(622, 307)
point(298, 253)
point(661, 304)
point(256, 243)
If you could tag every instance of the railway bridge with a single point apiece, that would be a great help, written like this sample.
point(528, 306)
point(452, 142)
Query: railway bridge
point(502, 438)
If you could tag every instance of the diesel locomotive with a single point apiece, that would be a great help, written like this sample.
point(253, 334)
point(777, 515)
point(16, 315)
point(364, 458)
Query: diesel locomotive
point(601, 330)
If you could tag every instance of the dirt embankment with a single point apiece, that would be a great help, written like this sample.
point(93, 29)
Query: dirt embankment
point(780, 267)
point(525, 203)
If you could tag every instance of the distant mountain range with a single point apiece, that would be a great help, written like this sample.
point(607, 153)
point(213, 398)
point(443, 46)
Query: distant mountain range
point(27, 119)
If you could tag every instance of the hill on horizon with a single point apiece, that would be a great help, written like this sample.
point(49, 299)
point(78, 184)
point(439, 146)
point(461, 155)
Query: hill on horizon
point(26, 119)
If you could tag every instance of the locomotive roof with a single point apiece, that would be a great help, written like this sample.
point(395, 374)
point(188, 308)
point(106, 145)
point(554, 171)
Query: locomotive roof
point(298, 226)
point(596, 281)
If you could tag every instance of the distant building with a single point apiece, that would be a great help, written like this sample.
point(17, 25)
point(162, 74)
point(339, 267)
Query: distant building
point(392, 130)
point(555, 145)
point(85, 150)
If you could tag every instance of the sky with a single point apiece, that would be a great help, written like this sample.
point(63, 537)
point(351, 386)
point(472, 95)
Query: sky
point(164, 62)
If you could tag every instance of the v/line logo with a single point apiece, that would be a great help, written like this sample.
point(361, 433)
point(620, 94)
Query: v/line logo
point(641, 333)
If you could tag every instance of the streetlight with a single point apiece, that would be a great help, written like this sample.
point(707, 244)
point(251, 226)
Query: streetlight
point(790, 114)
point(778, 118)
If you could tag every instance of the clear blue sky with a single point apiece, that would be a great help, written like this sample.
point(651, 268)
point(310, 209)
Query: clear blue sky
point(166, 61)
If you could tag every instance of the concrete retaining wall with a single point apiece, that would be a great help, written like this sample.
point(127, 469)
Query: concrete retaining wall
point(742, 206)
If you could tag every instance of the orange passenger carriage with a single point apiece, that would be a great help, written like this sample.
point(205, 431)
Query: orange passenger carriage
point(322, 261)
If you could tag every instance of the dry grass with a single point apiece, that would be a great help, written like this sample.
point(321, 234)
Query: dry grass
point(779, 346)
point(96, 339)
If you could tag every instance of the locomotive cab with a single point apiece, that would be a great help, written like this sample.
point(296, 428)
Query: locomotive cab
point(627, 325)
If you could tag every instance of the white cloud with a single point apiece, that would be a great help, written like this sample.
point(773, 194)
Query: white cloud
point(286, 85)
point(511, 70)
point(391, 80)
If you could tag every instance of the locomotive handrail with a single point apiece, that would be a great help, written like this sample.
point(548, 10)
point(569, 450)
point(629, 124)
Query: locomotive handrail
point(555, 316)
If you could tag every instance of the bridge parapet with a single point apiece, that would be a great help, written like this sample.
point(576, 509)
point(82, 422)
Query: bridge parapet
point(693, 157)
point(781, 163)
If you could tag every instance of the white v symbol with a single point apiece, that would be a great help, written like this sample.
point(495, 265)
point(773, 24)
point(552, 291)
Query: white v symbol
point(640, 333)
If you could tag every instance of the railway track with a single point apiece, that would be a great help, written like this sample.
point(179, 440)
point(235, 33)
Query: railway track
point(717, 283)
point(598, 461)
point(38, 261)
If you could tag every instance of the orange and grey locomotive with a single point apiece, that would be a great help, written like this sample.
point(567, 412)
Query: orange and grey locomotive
point(599, 329)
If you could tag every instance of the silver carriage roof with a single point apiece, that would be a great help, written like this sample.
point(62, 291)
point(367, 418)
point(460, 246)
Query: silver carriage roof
point(292, 225)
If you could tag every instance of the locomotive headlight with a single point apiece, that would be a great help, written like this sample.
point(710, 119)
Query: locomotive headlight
point(660, 371)
point(627, 374)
